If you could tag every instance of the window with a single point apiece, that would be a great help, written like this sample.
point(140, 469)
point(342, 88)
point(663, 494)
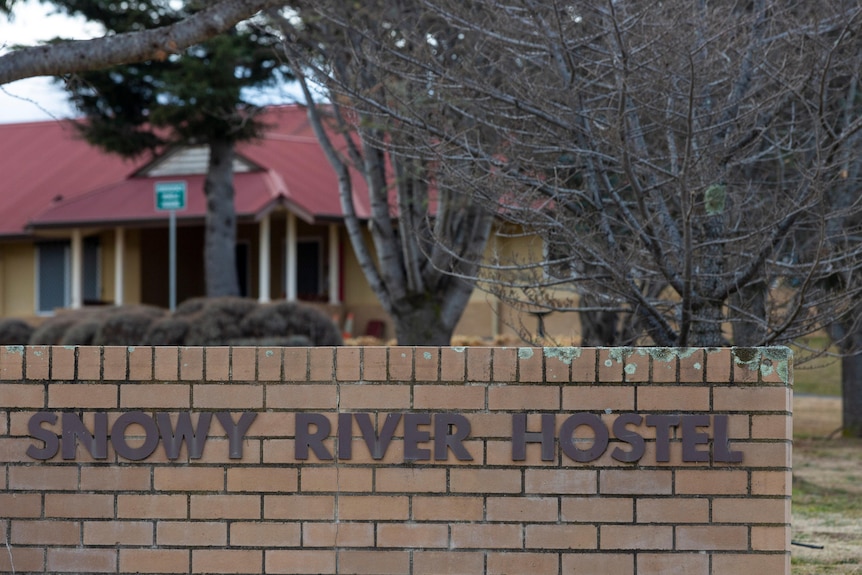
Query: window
point(309, 269)
point(52, 276)
point(242, 251)
point(92, 271)
point(54, 273)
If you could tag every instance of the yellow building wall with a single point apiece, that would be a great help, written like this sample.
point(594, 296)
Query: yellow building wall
point(359, 300)
point(357, 292)
point(18, 279)
point(18, 274)
point(485, 315)
point(512, 247)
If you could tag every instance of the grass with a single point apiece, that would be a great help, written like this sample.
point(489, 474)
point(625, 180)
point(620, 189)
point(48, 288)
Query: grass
point(804, 566)
point(827, 491)
point(809, 498)
point(817, 376)
point(821, 377)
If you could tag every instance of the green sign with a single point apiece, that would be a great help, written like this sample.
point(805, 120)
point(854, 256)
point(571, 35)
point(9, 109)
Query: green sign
point(170, 196)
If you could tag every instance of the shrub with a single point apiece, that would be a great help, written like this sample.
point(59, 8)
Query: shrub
point(53, 329)
point(82, 332)
point(190, 307)
point(169, 330)
point(198, 321)
point(218, 321)
point(15, 332)
point(283, 319)
point(127, 325)
point(288, 341)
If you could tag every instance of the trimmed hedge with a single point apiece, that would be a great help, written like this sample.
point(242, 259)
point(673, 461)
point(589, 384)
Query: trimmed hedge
point(199, 321)
point(14, 331)
point(284, 319)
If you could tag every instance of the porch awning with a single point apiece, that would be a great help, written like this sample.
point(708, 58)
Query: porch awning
point(132, 202)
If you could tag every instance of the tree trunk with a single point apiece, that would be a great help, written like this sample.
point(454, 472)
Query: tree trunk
point(422, 324)
point(848, 335)
point(749, 325)
point(707, 310)
point(851, 393)
point(706, 325)
point(220, 233)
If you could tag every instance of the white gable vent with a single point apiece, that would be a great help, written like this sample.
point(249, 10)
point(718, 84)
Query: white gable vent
point(189, 160)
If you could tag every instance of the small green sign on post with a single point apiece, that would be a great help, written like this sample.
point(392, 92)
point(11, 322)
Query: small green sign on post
point(170, 196)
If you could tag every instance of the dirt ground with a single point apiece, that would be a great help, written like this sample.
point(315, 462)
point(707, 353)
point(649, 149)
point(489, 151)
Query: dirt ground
point(827, 491)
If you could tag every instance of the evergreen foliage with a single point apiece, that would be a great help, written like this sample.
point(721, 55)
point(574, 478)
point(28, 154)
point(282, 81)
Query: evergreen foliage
point(192, 96)
point(196, 96)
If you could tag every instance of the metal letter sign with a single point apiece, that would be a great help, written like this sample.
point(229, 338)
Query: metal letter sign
point(170, 196)
point(443, 433)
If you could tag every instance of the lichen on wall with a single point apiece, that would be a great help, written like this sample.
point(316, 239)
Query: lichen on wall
point(768, 360)
point(565, 354)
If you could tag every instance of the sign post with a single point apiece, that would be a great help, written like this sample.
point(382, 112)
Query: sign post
point(170, 197)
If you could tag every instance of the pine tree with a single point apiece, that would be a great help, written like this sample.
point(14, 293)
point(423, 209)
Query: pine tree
point(194, 96)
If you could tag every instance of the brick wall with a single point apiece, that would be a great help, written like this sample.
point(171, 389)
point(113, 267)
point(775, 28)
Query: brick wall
point(271, 513)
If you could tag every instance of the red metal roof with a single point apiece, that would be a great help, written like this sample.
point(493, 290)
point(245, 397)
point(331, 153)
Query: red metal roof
point(41, 161)
point(52, 178)
point(290, 148)
point(132, 201)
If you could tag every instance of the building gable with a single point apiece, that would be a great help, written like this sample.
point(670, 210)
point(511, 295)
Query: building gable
point(189, 160)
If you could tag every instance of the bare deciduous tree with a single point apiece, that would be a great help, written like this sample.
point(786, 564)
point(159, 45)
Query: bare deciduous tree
point(427, 232)
point(697, 162)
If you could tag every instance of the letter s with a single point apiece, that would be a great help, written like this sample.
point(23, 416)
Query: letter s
point(52, 442)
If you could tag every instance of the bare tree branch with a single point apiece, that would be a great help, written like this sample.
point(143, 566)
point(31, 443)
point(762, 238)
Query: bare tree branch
point(82, 55)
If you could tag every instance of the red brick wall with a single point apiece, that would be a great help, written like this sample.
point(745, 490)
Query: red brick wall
point(269, 513)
